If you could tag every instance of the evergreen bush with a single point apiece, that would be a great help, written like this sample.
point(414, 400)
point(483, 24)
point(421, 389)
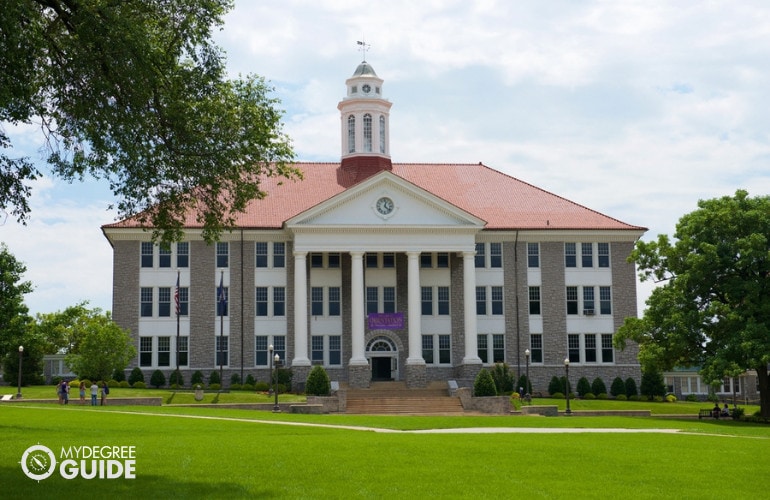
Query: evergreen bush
point(113, 383)
point(602, 395)
point(157, 379)
point(484, 385)
point(621, 397)
point(618, 387)
point(525, 385)
point(136, 376)
point(565, 385)
point(589, 395)
point(631, 387)
point(652, 383)
point(236, 387)
point(557, 395)
point(119, 375)
point(235, 379)
point(124, 384)
point(583, 386)
point(283, 377)
point(197, 378)
point(176, 378)
point(691, 398)
point(250, 379)
point(317, 383)
point(261, 387)
point(215, 387)
point(139, 385)
point(598, 386)
point(214, 378)
point(248, 387)
point(503, 378)
point(555, 386)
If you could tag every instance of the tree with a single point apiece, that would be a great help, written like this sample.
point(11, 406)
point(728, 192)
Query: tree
point(135, 376)
point(14, 314)
point(583, 386)
point(484, 385)
point(318, 383)
point(136, 93)
point(652, 383)
point(618, 387)
point(598, 386)
point(157, 379)
point(102, 346)
point(714, 309)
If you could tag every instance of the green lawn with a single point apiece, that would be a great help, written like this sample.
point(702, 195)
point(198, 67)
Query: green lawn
point(189, 452)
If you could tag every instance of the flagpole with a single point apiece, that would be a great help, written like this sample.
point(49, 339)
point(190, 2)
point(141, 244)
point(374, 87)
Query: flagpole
point(222, 303)
point(176, 300)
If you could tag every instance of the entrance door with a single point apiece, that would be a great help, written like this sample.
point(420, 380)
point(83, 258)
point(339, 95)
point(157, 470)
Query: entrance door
point(381, 368)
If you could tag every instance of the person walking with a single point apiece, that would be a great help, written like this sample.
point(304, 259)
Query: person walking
point(105, 391)
point(82, 393)
point(94, 391)
point(65, 392)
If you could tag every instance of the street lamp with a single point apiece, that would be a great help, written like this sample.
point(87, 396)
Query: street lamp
point(566, 368)
point(528, 389)
point(270, 362)
point(21, 351)
point(276, 408)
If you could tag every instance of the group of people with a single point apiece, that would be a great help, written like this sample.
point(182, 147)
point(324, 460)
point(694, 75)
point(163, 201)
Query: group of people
point(63, 391)
point(717, 412)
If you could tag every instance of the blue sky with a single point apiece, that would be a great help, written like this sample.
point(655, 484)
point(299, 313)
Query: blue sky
point(636, 109)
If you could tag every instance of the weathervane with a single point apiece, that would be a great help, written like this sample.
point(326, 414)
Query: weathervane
point(363, 46)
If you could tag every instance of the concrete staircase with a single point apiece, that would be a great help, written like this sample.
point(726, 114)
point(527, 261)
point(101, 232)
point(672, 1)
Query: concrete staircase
point(394, 398)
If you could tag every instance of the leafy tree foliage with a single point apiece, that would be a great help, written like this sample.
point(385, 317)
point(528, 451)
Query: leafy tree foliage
point(14, 314)
point(714, 309)
point(137, 93)
point(101, 346)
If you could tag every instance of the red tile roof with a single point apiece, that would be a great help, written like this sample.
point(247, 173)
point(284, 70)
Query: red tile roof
point(504, 202)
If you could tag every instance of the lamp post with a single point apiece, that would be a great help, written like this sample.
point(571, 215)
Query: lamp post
point(21, 351)
point(276, 408)
point(270, 362)
point(566, 368)
point(528, 389)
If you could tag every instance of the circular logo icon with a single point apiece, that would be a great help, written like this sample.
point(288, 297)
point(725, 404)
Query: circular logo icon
point(38, 462)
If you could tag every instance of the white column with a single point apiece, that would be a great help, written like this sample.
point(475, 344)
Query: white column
point(469, 299)
point(357, 347)
point(414, 299)
point(300, 310)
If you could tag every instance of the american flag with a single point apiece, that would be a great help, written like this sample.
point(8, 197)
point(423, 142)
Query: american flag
point(176, 295)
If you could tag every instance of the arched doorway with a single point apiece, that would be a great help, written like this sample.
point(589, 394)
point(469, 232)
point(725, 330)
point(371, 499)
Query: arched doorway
point(383, 358)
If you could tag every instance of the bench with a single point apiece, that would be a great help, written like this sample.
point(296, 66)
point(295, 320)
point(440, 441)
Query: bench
point(709, 413)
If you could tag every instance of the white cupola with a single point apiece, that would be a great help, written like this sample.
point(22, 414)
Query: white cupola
point(365, 116)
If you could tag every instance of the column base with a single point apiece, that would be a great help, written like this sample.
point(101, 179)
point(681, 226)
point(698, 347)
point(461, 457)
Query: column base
point(416, 376)
point(359, 376)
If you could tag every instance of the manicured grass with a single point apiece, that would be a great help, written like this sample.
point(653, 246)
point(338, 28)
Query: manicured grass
point(194, 452)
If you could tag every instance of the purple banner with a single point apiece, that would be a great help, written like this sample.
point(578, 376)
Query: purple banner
point(386, 321)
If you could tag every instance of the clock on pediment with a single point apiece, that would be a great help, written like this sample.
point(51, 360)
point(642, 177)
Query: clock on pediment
point(384, 206)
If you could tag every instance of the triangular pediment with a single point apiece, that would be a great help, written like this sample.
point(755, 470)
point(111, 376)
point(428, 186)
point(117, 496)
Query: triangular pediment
point(385, 200)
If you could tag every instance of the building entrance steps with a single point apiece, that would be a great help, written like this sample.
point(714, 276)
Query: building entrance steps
point(385, 398)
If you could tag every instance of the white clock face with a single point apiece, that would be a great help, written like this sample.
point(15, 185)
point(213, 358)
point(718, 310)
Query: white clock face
point(385, 205)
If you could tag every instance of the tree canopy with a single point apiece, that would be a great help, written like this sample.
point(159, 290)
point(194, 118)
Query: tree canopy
point(13, 312)
point(136, 93)
point(713, 311)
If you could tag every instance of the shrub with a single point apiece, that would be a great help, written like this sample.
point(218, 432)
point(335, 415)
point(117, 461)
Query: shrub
point(525, 385)
point(484, 385)
point(602, 395)
point(618, 387)
point(555, 386)
point(136, 376)
point(737, 413)
point(55, 380)
point(247, 387)
point(261, 387)
point(503, 378)
point(113, 383)
point(124, 384)
point(631, 387)
point(87, 382)
point(214, 387)
point(235, 379)
point(283, 377)
point(176, 378)
point(157, 379)
point(583, 386)
point(691, 398)
point(566, 386)
point(250, 379)
point(557, 395)
point(119, 375)
point(621, 397)
point(635, 397)
point(713, 397)
point(235, 387)
point(214, 378)
point(589, 395)
point(139, 385)
point(197, 378)
point(657, 399)
point(317, 383)
point(598, 386)
point(652, 383)
point(670, 398)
